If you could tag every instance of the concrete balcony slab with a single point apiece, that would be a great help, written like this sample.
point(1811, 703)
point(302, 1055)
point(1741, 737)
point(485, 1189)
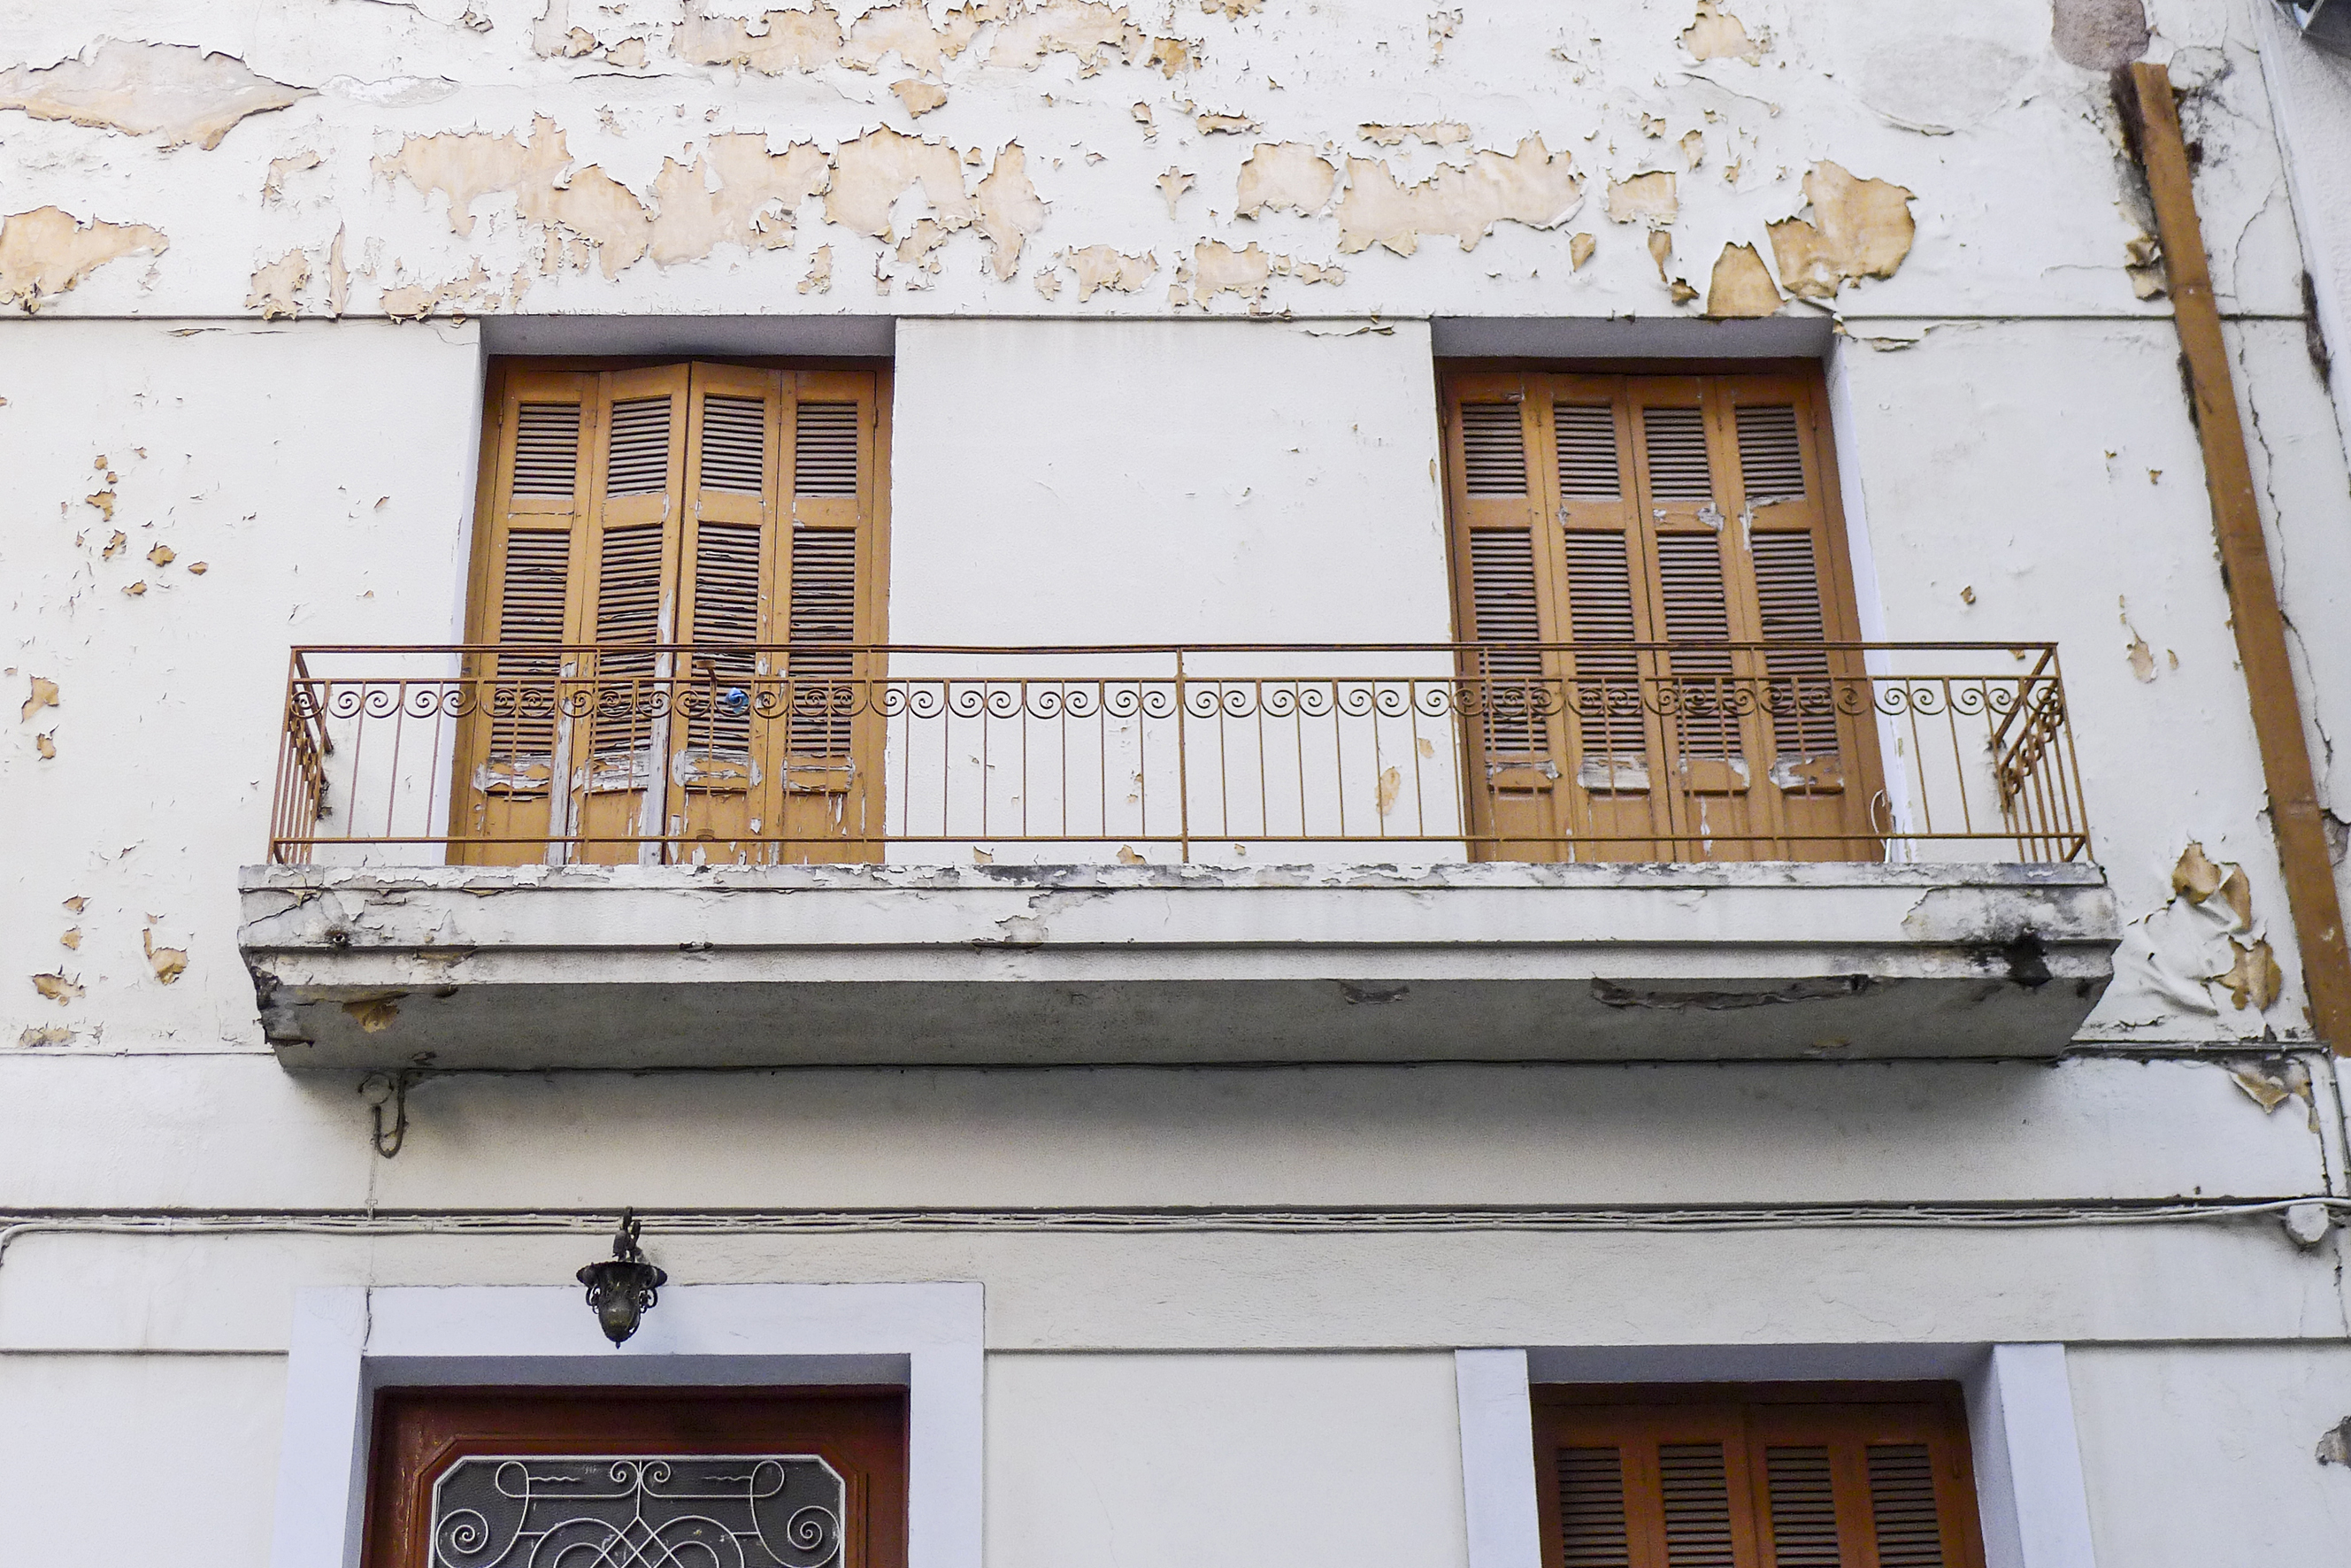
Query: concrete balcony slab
point(651, 966)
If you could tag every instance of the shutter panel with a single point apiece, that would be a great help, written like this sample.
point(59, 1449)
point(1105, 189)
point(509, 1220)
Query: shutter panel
point(823, 612)
point(824, 450)
point(734, 456)
point(533, 588)
point(1696, 608)
point(1608, 692)
point(728, 559)
point(1675, 442)
point(1591, 1525)
point(1788, 601)
point(1493, 449)
point(547, 452)
point(1902, 1506)
point(1770, 454)
point(627, 618)
point(1802, 1492)
point(1502, 597)
point(1696, 1494)
point(1585, 436)
point(637, 461)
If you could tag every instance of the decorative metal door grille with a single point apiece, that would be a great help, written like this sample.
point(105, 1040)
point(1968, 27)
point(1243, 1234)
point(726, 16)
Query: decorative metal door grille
point(737, 1511)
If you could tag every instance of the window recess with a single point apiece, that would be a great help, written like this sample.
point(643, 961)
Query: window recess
point(1651, 590)
point(677, 581)
point(1794, 1476)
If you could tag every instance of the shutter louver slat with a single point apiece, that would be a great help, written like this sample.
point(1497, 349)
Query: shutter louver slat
point(1675, 439)
point(546, 451)
point(1690, 590)
point(1493, 449)
point(1585, 434)
point(638, 461)
point(1502, 602)
point(1608, 689)
point(1902, 1506)
point(1804, 1508)
point(628, 622)
point(1592, 1524)
point(531, 595)
point(1771, 457)
point(1787, 594)
point(734, 445)
point(1695, 1491)
point(725, 612)
point(824, 450)
point(823, 612)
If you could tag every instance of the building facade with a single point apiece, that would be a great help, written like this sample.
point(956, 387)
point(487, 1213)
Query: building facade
point(1304, 780)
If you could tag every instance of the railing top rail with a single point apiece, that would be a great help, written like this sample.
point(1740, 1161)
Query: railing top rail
point(2020, 650)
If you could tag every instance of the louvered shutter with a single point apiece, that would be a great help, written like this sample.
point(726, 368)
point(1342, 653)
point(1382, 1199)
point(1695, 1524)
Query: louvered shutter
point(1777, 1480)
point(830, 458)
point(728, 562)
point(510, 741)
point(1504, 601)
point(1599, 549)
point(1787, 543)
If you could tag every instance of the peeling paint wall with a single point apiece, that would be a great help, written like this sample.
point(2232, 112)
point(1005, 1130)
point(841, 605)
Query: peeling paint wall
point(1170, 280)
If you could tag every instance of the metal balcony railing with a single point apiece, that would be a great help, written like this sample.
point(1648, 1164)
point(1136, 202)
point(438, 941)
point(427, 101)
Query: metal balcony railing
point(1235, 753)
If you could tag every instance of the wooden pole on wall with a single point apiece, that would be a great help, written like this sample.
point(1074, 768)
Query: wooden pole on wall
point(2145, 96)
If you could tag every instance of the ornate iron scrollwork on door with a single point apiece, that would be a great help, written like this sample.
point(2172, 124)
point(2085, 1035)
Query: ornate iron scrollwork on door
point(754, 1511)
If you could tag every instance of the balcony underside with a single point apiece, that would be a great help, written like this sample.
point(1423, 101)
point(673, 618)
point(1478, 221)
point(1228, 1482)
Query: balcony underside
point(653, 966)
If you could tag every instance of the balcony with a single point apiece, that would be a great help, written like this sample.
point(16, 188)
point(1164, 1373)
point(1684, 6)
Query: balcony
point(735, 855)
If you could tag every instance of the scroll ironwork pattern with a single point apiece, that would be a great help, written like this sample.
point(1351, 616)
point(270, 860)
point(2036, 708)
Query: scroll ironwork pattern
point(740, 1510)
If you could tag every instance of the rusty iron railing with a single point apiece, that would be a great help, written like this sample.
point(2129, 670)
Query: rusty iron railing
point(1238, 753)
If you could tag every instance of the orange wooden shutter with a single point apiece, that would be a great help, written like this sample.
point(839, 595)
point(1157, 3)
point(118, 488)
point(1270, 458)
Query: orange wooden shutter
point(510, 755)
point(1839, 1476)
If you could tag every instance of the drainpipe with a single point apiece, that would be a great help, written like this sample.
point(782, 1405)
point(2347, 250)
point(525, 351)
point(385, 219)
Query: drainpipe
point(2152, 119)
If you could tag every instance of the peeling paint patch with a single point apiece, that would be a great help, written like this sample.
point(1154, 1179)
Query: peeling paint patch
point(1091, 31)
point(1648, 198)
point(1533, 186)
point(1172, 186)
point(278, 287)
point(1716, 35)
point(1288, 174)
point(920, 97)
point(1215, 124)
point(736, 192)
point(58, 988)
point(49, 1035)
point(415, 301)
point(174, 90)
point(1741, 285)
point(1578, 250)
point(42, 693)
point(375, 1014)
point(1218, 268)
point(1436, 132)
point(44, 252)
point(1008, 210)
point(1859, 228)
point(1104, 267)
point(169, 962)
point(272, 184)
point(582, 202)
point(871, 172)
point(820, 273)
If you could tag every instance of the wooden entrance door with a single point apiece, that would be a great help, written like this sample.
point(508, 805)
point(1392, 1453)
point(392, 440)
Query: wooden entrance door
point(520, 1478)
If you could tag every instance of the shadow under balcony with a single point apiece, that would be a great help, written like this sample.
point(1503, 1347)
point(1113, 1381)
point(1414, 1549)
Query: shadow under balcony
point(740, 856)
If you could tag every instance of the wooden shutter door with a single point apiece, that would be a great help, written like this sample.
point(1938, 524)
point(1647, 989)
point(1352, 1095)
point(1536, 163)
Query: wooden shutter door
point(726, 765)
point(1505, 601)
point(1819, 739)
point(1616, 742)
point(1783, 1476)
point(1646, 1487)
point(831, 781)
point(513, 746)
point(636, 507)
point(1864, 1486)
point(1710, 736)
